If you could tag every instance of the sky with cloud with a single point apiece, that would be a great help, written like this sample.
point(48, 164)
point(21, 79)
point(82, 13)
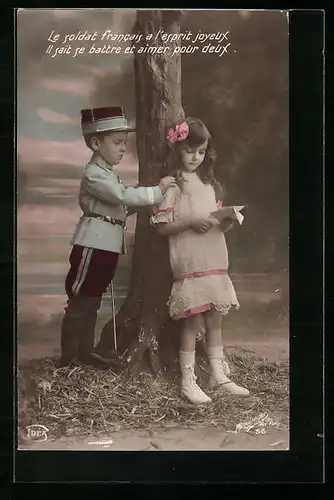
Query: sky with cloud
point(52, 91)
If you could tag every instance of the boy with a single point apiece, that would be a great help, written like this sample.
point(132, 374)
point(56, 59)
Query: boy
point(99, 236)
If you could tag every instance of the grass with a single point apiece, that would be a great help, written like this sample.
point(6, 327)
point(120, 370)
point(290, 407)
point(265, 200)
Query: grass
point(82, 401)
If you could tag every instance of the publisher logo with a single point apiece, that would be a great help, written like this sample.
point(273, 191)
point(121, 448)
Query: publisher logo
point(258, 424)
point(37, 432)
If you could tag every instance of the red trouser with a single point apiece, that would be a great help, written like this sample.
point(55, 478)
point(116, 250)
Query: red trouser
point(91, 271)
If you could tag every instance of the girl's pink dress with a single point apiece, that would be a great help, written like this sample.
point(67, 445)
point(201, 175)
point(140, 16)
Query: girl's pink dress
point(199, 261)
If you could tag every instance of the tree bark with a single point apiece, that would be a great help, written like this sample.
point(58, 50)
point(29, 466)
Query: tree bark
point(143, 322)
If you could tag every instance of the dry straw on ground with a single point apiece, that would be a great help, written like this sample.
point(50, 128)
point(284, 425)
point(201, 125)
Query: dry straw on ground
point(83, 401)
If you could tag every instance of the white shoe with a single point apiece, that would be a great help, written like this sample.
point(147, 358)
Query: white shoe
point(218, 352)
point(226, 368)
point(219, 378)
point(190, 390)
point(230, 387)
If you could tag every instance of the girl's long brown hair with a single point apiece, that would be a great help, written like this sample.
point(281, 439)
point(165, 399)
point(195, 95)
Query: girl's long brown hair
point(198, 134)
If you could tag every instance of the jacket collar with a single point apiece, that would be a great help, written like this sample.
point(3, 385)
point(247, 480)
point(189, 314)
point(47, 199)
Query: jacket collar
point(97, 159)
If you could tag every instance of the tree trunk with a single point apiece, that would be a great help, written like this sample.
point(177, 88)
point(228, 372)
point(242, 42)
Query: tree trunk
point(143, 324)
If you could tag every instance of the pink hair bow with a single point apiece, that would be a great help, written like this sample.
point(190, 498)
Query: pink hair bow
point(179, 134)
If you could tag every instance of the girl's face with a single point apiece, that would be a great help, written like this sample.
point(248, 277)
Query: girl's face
point(192, 157)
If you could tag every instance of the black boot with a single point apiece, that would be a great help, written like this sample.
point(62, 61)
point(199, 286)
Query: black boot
point(105, 347)
point(70, 330)
point(86, 338)
point(87, 334)
point(78, 330)
point(104, 351)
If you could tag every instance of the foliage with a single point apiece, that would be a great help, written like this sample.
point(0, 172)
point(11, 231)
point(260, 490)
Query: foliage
point(244, 101)
point(243, 98)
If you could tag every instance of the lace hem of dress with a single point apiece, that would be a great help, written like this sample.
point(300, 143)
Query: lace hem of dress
point(179, 312)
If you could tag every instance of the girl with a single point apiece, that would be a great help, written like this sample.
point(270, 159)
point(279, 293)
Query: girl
point(202, 289)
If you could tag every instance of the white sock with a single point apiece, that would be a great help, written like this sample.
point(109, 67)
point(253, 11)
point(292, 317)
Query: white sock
point(214, 351)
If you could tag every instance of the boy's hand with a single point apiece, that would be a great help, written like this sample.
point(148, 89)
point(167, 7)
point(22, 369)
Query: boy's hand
point(202, 224)
point(165, 183)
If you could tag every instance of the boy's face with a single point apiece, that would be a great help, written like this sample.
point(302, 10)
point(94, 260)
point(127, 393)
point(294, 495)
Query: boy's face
point(111, 147)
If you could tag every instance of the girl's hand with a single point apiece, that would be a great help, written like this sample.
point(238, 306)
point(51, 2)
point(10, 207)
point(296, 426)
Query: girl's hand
point(226, 224)
point(202, 224)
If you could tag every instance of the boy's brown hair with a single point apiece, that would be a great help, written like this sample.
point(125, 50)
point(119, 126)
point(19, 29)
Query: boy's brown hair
point(99, 135)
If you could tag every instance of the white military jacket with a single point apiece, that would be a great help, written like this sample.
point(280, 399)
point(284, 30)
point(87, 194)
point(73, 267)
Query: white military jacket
point(103, 193)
